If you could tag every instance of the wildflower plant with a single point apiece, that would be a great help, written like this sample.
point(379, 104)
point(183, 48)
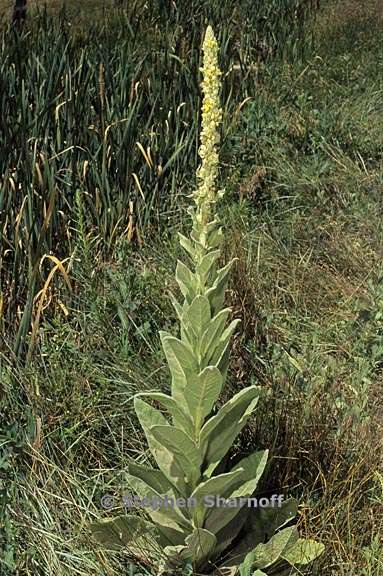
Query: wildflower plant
point(189, 443)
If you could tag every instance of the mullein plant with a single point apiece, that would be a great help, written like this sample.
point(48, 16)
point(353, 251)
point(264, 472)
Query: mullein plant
point(197, 512)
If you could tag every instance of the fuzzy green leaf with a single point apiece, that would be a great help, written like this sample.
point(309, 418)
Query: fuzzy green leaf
point(187, 281)
point(148, 417)
point(182, 363)
point(169, 516)
point(207, 263)
point(266, 521)
point(201, 545)
point(216, 293)
point(262, 525)
point(202, 392)
point(269, 553)
point(233, 521)
point(156, 479)
point(181, 418)
point(303, 552)
point(265, 555)
point(185, 453)
point(219, 486)
point(246, 568)
point(253, 467)
point(212, 335)
point(220, 431)
point(119, 532)
point(186, 244)
point(197, 315)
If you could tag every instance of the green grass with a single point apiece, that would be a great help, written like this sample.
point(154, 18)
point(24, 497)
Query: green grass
point(304, 182)
point(110, 117)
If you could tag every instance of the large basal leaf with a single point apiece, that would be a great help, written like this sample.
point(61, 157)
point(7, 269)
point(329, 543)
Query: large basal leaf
point(148, 417)
point(271, 552)
point(303, 552)
point(202, 392)
point(181, 418)
point(173, 561)
point(246, 568)
point(169, 536)
point(166, 515)
point(265, 554)
point(220, 431)
point(262, 523)
point(253, 467)
point(182, 364)
point(219, 486)
point(201, 545)
point(186, 454)
point(119, 532)
point(156, 479)
point(232, 526)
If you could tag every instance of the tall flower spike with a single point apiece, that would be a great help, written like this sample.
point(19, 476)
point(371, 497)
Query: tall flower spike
point(207, 173)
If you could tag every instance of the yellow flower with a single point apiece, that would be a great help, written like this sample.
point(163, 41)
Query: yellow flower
point(206, 193)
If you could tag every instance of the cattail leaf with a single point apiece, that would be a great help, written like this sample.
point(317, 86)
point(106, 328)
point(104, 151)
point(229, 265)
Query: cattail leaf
point(201, 392)
point(220, 431)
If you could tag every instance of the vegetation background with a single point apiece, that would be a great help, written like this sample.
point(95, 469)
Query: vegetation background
point(98, 143)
